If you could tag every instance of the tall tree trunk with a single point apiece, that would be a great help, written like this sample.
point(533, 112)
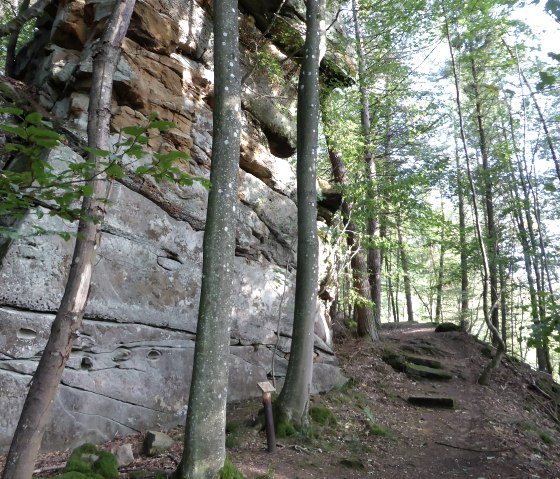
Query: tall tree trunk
point(503, 300)
point(462, 244)
point(392, 304)
point(294, 398)
point(374, 253)
point(526, 236)
point(23, 17)
point(542, 120)
point(485, 376)
point(12, 43)
point(406, 274)
point(491, 232)
point(31, 426)
point(365, 317)
point(204, 450)
point(439, 285)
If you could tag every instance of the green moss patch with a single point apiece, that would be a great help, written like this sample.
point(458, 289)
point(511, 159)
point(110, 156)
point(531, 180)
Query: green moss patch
point(88, 462)
point(229, 471)
point(322, 415)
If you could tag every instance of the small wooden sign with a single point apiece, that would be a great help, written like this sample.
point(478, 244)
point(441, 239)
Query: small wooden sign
point(266, 387)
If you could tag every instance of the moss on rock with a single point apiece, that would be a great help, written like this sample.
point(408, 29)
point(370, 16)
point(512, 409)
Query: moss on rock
point(87, 462)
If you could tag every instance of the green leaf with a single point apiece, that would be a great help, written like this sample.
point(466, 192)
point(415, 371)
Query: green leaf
point(11, 110)
point(133, 130)
point(115, 171)
point(15, 130)
point(163, 125)
point(34, 118)
point(96, 151)
point(87, 191)
point(142, 170)
point(64, 235)
point(43, 132)
point(547, 80)
point(137, 151)
point(172, 156)
point(46, 143)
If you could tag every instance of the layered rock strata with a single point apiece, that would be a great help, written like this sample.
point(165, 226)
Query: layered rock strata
point(130, 366)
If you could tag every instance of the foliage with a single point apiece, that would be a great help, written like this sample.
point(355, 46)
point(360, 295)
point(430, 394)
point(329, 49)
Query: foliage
point(32, 181)
point(26, 33)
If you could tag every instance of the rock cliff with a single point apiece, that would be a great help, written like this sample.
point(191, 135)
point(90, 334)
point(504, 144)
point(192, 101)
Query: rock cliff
point(130, 366)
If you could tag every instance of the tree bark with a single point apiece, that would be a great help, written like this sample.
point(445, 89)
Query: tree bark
point(29, 431)
point(23, 17)
point(204, 448)
point(491, 232)
point(484, 377)
point(374, 253)
point(12, 43)
point(294, 398)
point(406, 275)
point(439, 283)
point(464, 314)
point(367, 325)
point(527, 241)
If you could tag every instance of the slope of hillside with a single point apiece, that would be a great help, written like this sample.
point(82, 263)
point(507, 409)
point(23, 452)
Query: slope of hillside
point(509, 429)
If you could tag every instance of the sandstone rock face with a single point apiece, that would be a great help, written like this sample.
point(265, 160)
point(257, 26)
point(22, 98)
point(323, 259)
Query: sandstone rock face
point(131, 362)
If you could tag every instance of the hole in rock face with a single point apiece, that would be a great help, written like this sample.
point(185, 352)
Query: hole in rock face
point(154, 354)
point(278, 145)
point(26, 333)
point(86, 363)
point(121, 355)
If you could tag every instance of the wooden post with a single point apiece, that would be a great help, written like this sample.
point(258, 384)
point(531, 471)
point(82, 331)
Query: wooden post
point(267, 389)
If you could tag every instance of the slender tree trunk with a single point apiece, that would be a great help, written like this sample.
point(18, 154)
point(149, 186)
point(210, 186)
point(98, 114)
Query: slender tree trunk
point(439, 284)
point(485, 376)
point(406, 275)
point(503, 301)
point(491, 236)
point(462, 244)
point(527, 240)
point(12, 43)
point(366, 320)
point(23, 17)
point(374, 253)
point(29, 432)
point(391, 305)
point(204, 450)
point(542, 120)
point(294, 398)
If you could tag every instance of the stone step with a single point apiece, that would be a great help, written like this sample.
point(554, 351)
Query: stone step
point(432, 402)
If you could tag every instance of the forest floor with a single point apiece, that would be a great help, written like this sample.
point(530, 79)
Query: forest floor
point(509, 429)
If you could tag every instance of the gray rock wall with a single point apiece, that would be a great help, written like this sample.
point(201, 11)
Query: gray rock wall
point(131, 363)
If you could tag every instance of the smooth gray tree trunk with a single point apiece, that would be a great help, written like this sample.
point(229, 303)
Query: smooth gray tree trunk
point(204, 449)
point(293, 401)
point(35, 414)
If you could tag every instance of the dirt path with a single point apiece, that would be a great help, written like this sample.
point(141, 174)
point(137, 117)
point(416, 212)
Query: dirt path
point(505, 430)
